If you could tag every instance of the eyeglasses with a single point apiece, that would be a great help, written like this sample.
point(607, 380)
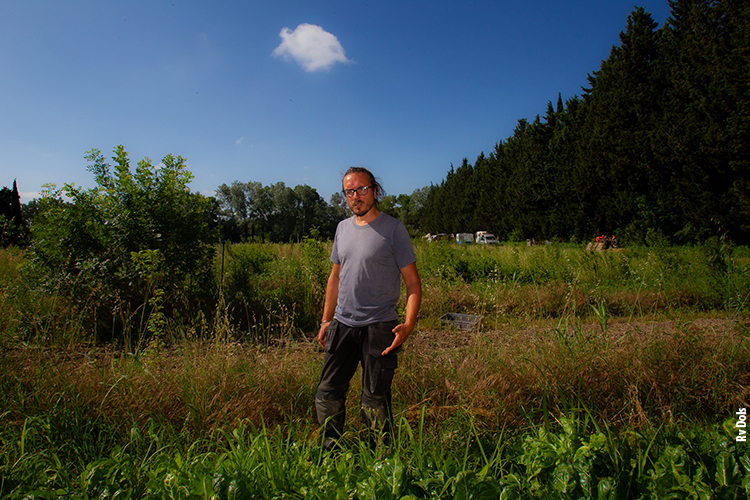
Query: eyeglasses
point(362, 191)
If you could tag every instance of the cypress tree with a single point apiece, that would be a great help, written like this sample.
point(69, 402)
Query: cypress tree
point(705, 136)
point(12, 230)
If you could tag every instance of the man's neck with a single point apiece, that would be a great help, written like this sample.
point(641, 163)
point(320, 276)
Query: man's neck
point(367, 218)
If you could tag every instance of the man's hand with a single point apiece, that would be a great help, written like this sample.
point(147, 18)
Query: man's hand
point(402, 332)
point(322, 335)
point(413, 300)
point(332, 292)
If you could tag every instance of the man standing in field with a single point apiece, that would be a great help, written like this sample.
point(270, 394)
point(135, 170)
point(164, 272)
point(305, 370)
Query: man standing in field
point(371, 252)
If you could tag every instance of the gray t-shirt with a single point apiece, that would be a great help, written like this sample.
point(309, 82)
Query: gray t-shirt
point(371, 258)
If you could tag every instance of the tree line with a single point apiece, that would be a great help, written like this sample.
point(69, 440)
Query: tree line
point(252, 212)
point(656, 148)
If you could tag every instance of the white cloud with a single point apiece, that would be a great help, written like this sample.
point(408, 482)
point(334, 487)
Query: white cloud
point(239, 141)
point(310, 46)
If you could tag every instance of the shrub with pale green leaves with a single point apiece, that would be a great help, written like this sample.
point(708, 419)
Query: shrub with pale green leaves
point(87, 242)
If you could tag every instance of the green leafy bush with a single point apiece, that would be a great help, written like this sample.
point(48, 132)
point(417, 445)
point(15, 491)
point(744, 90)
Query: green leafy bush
point(87, 243)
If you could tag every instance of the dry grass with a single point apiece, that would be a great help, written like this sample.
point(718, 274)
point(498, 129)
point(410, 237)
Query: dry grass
point(195, 387)
point(632, 374)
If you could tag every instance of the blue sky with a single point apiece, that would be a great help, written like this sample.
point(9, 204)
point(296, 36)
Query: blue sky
point(284, 90)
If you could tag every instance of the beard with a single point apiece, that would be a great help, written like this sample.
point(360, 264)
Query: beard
point(361, 208)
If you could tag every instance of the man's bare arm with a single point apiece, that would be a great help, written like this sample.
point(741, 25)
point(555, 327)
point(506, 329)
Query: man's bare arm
point(329, 307)
point(413, 301)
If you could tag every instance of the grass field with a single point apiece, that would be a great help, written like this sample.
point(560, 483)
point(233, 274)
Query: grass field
point(592, 375)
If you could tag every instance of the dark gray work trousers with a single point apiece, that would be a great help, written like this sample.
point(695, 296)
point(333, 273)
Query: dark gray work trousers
point(346, 347)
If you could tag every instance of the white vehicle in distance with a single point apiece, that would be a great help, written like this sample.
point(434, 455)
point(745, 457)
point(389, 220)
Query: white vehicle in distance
point(464, 238)
point(483, 237)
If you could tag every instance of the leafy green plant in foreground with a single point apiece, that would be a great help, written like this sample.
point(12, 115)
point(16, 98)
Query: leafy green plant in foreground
point(574, 460)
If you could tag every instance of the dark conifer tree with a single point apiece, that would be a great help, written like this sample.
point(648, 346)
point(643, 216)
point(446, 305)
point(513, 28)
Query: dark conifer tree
point(622, 108)
point(488, 184)
point(13, 231)
point(704, 139)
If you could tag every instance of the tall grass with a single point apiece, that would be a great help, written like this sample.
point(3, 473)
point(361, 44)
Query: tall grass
point(28, 312)
point(512, 282)
point(481, 409)
point(271, 291)
point(593, 375)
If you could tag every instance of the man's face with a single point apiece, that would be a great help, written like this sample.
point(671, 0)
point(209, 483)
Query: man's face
point(359, 204)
